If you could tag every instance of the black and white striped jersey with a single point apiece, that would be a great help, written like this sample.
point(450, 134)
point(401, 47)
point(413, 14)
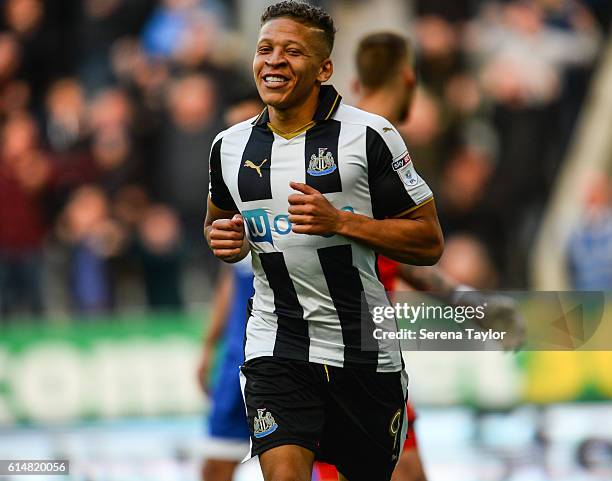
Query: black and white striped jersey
point(308, 289)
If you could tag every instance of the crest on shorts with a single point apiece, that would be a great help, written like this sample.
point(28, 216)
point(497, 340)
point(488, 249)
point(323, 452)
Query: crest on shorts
point(263, 424)
point(321, 164)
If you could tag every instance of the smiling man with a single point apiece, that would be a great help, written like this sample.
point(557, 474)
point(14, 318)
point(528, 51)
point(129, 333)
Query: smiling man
point(314, 189)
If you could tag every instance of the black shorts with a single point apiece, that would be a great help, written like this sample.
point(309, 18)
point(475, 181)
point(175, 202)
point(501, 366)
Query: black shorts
point(349, 417)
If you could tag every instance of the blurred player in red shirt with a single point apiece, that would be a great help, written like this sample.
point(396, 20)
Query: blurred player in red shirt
point(386, 85)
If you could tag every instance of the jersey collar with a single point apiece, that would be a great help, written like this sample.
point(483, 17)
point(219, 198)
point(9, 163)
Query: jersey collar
point(329, 100)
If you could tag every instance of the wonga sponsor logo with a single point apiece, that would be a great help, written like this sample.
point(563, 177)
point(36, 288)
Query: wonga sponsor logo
point(260, 227)
point(258, 224)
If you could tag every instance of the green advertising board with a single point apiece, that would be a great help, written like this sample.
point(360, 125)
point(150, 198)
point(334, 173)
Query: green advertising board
point(145, 366)
point(100, 368)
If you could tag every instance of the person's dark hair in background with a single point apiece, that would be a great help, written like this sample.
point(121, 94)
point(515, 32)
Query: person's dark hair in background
point(385, 69)
point(380, 56)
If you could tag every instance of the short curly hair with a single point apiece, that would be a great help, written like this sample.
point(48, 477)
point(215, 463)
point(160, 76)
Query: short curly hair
point(306, 14)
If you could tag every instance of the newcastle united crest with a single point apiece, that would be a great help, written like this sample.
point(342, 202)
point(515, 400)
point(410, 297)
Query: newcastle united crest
point(263, 424)
point(321, 164)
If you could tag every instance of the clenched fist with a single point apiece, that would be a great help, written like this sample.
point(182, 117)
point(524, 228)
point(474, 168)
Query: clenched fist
point(226, 238)
point(310, 212)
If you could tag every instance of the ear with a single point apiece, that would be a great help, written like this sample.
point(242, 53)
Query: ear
point(356, 87)
point(326, 70)
point(409, 77)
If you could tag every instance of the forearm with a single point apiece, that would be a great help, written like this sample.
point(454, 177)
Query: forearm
point(410, 241)
point(220, 308)
point(430, 279)
point(213, 334)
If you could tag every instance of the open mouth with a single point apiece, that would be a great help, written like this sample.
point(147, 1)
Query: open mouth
point(275, 80)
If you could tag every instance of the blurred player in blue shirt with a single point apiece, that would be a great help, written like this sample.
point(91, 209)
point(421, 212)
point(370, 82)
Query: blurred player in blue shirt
point(228, 431)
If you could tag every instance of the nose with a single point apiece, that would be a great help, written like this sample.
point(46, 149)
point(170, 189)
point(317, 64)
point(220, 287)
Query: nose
point(275, 58)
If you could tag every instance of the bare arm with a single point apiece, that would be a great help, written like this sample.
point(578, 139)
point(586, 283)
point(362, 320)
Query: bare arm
point(409, 467)
point(220, 310)
point(501, 312)
point(224, 233)
point(430, 279)
point(222, 296)
point(414, 238)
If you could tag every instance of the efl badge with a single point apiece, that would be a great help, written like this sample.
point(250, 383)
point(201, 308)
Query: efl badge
point(405, 169)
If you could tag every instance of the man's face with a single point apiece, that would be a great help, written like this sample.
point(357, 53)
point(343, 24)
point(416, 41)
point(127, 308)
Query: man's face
point(289, 61)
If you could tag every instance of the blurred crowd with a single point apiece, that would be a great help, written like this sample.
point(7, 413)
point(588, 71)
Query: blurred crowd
point(108, 109)
point(502, 85)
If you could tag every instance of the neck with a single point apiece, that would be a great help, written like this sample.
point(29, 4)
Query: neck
point(295, 117)
point(383, 102)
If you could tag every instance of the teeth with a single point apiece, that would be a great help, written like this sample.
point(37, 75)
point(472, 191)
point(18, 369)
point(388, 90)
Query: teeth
point(273, 78)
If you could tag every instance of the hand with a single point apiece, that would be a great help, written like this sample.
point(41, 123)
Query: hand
point(226, 238)
point(310, 212)
point(501, 315)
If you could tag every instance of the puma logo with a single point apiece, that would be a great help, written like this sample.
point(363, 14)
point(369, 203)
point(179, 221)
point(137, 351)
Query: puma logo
point(251, 165)
point(388, 129)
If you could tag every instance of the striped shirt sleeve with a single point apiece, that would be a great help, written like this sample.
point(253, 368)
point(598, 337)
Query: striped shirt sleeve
point(219, 193)
point(395, 185)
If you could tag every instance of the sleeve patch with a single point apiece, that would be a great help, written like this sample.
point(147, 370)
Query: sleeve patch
point(401, 162)
point(406, 171)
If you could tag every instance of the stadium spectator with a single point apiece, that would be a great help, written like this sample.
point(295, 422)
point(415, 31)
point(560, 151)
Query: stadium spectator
point(65, 126)
point(159, 244)
point(522, 61)
point(114, 155)
point(91, 143)
point(143, 77)
point(130, 205)
point(66, 132)
point(192, 121)
point(100, 24)
point(92, 237)
point(467, 261)
point(197, 41)
point(14, 93)
point(197, 52)
point(440, 56)
point(590, 247)
point(165, 28)
point(100, 79)
point(463, 186)
point(39, 44)
point(456, 11)
point(25, 182)
point(10, 57)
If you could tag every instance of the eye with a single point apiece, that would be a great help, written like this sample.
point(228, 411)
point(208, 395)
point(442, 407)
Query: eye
point(264, 49)
point(294, 52)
